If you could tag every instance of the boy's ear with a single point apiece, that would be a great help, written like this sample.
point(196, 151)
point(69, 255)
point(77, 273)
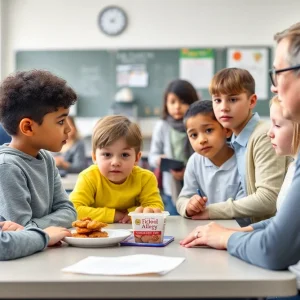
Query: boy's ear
point(138, 157)
point(26, 126)
point(253, 100)
point(228, 132)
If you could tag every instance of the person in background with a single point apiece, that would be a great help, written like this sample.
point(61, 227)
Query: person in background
point(211, 166)
point(169, 138)
point(4, 136)
point(114, 186)
point(72, 155)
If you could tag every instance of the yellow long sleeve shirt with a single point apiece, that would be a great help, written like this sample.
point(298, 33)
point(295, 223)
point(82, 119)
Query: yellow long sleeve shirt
point(97, 197)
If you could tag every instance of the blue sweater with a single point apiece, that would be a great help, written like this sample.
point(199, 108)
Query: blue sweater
point(274, 244)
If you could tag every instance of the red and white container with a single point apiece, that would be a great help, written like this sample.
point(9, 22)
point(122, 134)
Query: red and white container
point(149, 227)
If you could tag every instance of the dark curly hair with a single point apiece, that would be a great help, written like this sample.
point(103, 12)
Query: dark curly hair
point(32, 94)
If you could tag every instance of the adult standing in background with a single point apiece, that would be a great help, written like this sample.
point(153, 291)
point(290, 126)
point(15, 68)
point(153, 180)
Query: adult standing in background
point(277, 245)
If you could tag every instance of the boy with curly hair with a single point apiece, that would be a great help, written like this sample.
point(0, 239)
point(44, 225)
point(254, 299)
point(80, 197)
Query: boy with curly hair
point(33, 110)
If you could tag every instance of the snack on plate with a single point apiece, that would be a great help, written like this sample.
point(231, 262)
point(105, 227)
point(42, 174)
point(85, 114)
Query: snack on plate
point(87, 228)
point(148, 227)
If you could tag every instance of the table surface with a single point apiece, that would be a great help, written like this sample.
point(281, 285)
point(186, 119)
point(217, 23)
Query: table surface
point(204, 273)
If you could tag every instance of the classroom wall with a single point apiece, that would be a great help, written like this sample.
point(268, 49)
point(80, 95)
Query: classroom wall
point(72, 24)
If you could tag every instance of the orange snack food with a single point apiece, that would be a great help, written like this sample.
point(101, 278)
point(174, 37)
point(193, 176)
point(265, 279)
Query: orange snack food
point(87, 228)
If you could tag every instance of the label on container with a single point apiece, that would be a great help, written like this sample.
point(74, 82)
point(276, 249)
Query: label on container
point(149, 229)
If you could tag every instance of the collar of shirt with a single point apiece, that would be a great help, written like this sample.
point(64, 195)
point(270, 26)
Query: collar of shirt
point(227, 165)
point(243, 137)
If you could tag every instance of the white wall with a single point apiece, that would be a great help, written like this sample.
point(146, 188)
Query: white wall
point(72, 24)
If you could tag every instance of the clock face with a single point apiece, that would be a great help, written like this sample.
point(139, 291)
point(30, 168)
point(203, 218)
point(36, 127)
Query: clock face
point(112, 20)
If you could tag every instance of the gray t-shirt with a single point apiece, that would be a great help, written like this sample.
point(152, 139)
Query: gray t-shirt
point(31, 192)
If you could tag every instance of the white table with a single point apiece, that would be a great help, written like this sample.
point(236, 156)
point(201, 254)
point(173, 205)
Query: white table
point(69, 181)
point(205, 273)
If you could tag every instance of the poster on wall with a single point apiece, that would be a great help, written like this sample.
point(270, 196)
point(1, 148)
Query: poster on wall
point(255, 60)
point(132, 75)
point(197, 66)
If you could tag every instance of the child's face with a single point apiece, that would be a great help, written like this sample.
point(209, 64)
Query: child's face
point(176, 108)
point(207, 136)
point(233, 111)
point(281, 131)
point(52, 134)
point(116, 161)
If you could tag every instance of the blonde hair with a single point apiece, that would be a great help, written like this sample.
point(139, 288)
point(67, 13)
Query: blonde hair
point(111, 128)
point(296, 129)
point(232, 81)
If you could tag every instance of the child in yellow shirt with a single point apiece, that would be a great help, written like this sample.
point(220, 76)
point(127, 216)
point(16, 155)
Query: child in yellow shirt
point(114, 186)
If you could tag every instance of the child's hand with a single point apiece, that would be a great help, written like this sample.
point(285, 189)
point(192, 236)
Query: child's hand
point(178, 175)
point(56, 234)
point(195, 205)
point(201, 216)
point(142, 209)
point(126, 220)
point(10, 226)
point(119, 215)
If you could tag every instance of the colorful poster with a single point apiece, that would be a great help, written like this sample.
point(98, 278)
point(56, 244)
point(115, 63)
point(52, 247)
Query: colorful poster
point(197, 66)
point(255, 60)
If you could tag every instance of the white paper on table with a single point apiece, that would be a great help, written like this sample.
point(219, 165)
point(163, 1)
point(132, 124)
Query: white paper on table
point(125, 265)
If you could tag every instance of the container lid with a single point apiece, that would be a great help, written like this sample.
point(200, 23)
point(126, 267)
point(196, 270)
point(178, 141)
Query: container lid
point(140, 215)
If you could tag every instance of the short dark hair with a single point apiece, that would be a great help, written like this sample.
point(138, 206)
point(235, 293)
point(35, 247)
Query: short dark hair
point(203, 107)
point(232, 81)
point(183, 90)
point(32, 94)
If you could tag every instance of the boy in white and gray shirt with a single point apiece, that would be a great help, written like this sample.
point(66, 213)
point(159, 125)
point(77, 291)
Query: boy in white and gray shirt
point(212, 169)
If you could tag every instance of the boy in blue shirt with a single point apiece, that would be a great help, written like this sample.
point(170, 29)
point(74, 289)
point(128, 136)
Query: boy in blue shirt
point(212, 164)
point(33, 110)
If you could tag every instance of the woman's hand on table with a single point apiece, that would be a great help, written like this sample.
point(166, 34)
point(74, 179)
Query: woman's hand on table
point(212, 235)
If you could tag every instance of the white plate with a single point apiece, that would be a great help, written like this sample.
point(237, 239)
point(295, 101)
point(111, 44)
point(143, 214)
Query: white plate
point(114, 236)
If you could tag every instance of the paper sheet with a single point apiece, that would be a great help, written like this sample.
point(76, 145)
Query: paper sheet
point(125, 265)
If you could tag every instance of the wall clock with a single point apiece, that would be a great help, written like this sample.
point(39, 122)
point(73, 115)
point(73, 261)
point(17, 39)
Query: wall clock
point(112, 20)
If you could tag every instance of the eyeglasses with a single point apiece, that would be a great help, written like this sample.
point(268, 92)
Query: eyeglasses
point(274, 72)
